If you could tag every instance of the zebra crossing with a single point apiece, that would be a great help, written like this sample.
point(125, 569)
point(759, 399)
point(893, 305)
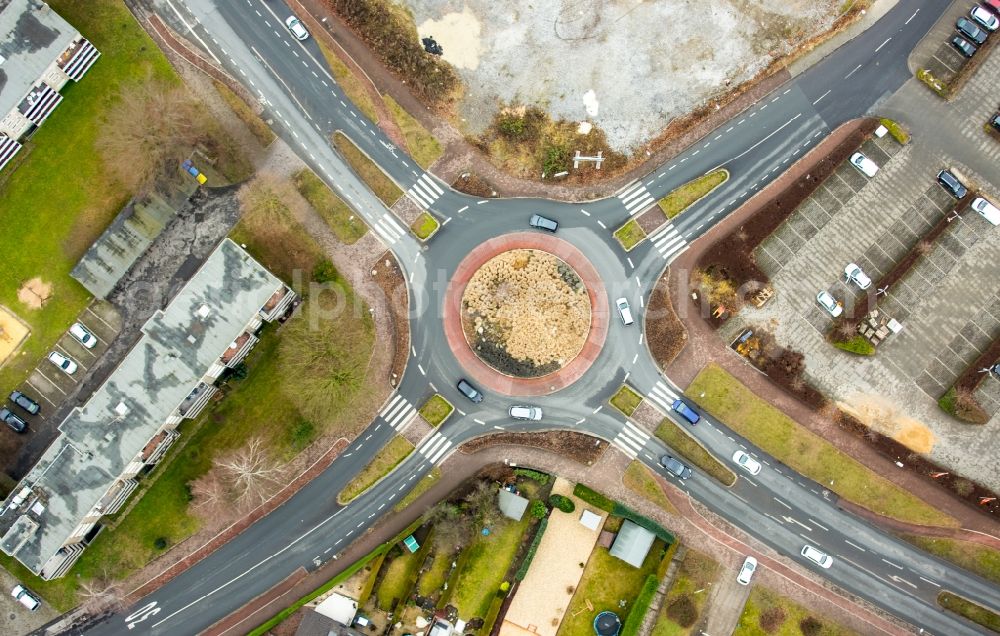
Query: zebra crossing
point(388, 228)
point(424, 192)
point(662, 395)
point(434, 447)
point(631, 440)
point(398, 412)
point(668, 242)
point(636, 198)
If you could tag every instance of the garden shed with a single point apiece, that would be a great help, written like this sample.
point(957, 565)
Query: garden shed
point(632, 544)
point(512, 505)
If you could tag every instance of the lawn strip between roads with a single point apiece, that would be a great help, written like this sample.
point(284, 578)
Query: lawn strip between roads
point(390, 456)
point(681, 441)
point(383, 187)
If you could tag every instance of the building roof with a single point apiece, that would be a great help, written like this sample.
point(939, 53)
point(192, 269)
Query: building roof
point(590, 520)
point(32, 36)
point(632, 544)
point(512, 505)
point(315, 624)
point(99, 439)
point(339, 607)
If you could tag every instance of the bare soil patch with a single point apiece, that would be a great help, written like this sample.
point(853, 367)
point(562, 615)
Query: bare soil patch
point(577, 446)
point(12, 333)
point(389, 278)
point(665, 333)
point(471, 183)
point(34, 293)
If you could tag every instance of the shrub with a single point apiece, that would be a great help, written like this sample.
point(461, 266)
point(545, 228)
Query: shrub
point(810, 626)
point(947, 401)
point(562, 503)
point(542, 478)
point(325, 272)
point(682, 611)
point(522, 570)
point(594, 498)
point(160, 543)
point(898, 132)
point(858, 345)
point(538, 509)
point(644, 522)
point(772, 618)
point(557, 159)
point(300, 434)
point(511, 126)
point(633, 623)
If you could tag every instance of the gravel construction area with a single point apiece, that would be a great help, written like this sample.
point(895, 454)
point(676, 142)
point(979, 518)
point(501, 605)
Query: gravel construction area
point(677, 54)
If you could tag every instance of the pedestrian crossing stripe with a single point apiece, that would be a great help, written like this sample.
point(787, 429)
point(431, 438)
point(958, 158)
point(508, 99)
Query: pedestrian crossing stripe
point(636, 199)
point(387, 228)
point(631, 440)
point(424, 192)
point(398, 413)
point(669, 242)
point(662, 395)
point(434, 447)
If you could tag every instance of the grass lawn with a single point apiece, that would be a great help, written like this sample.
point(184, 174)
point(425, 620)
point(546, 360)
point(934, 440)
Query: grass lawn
point(972, 611)
point(484, 565)
point(683, 197)
point(349, 83)
point(258, 128)
point(630, 234)
point(344, 223)
point(381, 465)
point(626, 400)
point(424, 226)
point(681, 441)
point(422, 486)
point(690, 589)
point(436, 410)
point(381, 185)
point(61, 198)
point(974, 557)
point(433, 579)
point(423, 146)
point(782, 612)
point(639, 479)
point(780, 436)
point(400, 575)
point(606, 580)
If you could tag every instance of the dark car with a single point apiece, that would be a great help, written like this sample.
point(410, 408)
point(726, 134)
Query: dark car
point(995, 122)
point(963, 46)
point(25, 402)
point(540, 222)
point(952, 184)
point(674, 467)
point(969, 29)
point(13, 421)
point(470, 391)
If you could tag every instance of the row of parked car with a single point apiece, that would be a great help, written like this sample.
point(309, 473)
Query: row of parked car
point(973, 33)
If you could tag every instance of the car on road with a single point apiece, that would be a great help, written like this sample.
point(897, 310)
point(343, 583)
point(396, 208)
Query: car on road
point(681, 408)
point(864, 164)
point(829, 303)
point(747, 463)
point(855, 273)
point(470, 391)
point(13, 421)
point(530, 413)
point(82, 335)
point(969, 29)
point(674, 467)
point(985, 18)
point(624, 311)
point(746, 572)
point(296, 28)
point(963, 46)
point(66, 365)
point(540, 222)
point(820, 558)
point(26, 598)
point(987, 209)
point(25, 402)
point(951, 183)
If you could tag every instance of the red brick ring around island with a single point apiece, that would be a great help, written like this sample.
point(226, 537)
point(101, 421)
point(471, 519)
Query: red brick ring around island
point(486, 376)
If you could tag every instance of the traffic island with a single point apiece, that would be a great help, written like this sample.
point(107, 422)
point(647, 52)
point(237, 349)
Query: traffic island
point(436, 410)
point(425, 226)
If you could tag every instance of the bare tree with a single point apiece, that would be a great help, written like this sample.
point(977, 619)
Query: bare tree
point(251, 474)
point(452, 527)
point(101, 593)
point(212, 500)
point(481, 503)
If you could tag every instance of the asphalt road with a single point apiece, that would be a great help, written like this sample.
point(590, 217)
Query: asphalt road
point(778, 507)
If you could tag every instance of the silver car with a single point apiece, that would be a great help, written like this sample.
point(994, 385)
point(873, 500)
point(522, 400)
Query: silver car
point(530, 413)
point(864, 164)
point(296, 28)
point(746, 572)
point(820, 558)
point(855, 273)
point(82, 335)
point(66, 364)
point(746, 462)
point(829, 303)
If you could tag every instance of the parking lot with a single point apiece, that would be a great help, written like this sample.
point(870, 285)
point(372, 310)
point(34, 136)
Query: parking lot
point(938, 55)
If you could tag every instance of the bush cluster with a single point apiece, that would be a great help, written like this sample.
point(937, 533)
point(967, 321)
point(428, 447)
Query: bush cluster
point(562, 503)
point(522, 571)
point(682, 611)
point(538, 509)
point(772, 619)
point(594, 498)
point(633, 623)
point(542, 478)
point(598, 500)
point(810, 626)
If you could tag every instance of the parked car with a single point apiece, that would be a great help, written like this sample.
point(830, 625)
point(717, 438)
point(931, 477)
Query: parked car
point(746, 572)
point(530, 413)
point(987, 209)
point(963, 46)
point(985, 18)
point(747, 463)
point(829, 303)
point(25, 402)
point(820, 558)
point(13, 421)
point(624, 311)
point(470, 391)
point(864, 164)
point(26, 598)
point(540, 222)
point(995, 121)
point(951, 183)
point(296, 28)
point(969, 29)
point(855, 273)
point(685, 411)
point(674, 467)
point(82, 335)
point(65, 364)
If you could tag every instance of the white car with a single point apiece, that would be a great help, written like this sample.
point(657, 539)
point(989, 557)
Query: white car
point(987, 209)
point(624, 311)
point(984, 18)
point(746, 572)
point(82, 335)
point(829, 303)
point(746, 462)
point(26, 598)
point(820, 558)
point(531, 413)
point(65, 364)
point(296, 28)
point(853, 272)
point(864, 164)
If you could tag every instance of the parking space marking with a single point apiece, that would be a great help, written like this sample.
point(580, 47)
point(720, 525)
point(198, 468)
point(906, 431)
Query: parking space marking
point(50, 381)
point(98, 316)
point(40, 392)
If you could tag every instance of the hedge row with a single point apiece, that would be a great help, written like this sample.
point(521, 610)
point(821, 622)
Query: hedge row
point(594, 498)
point(526, 563)
point(598, 500)
point(542, 478)
point(633, 623)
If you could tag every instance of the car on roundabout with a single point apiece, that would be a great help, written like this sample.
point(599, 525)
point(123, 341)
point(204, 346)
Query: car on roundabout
point(528, 413)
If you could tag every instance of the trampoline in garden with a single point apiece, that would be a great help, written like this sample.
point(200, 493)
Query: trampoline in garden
point(607, 624)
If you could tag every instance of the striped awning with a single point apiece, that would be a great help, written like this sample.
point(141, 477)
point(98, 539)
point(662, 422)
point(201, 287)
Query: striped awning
point(83, 58)
point(8, 148)
point(40, 103)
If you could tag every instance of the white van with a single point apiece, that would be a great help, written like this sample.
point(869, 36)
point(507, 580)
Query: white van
point(26, 598)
